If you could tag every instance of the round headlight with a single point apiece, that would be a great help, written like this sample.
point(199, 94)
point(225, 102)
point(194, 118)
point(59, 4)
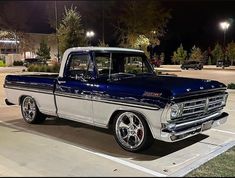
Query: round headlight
point(175, 110)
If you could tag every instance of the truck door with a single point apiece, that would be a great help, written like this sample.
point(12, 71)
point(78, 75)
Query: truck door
point(73, 92)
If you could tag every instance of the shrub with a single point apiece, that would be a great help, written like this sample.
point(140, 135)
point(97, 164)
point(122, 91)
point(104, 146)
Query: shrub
point(49, 69)
point(31, 68)
point(44, 68)
point(231, 86)
point(18, 63)
point(56, 68)
point(36, 68)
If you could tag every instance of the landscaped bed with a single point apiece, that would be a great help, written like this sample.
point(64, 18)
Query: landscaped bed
point(221, 166)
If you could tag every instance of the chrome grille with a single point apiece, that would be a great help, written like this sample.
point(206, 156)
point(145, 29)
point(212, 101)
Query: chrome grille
point(202, 106)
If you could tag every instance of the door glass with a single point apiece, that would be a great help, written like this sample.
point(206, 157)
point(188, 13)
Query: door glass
point(116, 64)
point(79, 66)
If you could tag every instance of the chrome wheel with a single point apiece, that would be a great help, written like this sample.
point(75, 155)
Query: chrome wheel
point(129, 130)
point(29, 109)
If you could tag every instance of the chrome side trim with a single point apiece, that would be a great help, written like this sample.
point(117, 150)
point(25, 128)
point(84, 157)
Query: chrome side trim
point(31, 90)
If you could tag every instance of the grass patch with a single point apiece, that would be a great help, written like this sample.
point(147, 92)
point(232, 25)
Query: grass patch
point(2, 64)
point(231, 86)
point(221, 166)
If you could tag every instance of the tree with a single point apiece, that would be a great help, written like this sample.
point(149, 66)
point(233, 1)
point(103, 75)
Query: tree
point(146, 18)
point(70, 31)
point(179, 55)
point(102, 44)
point(162, 57)
point(209, 60)
point(217, 53)
point(196, 54)
point(231, 51)
point(141, 43)
point(44, 51)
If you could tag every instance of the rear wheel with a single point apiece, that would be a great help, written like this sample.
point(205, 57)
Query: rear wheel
point(30, 111)
point(132, 132)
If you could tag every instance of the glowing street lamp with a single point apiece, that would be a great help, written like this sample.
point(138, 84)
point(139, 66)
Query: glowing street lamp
point(89, 35)
point(224, 26)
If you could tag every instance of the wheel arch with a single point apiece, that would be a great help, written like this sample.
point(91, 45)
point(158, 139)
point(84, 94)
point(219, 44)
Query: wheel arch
point(21, 98)
point(116, 112)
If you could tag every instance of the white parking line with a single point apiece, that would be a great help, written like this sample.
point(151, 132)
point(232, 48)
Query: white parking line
point(126, 163)
point(224, 131)
point(230, 110)
point(120, 161)
point(215, 152)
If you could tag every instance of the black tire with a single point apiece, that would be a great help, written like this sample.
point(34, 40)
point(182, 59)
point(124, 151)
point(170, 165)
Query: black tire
point(143, 132)
point(30, 111)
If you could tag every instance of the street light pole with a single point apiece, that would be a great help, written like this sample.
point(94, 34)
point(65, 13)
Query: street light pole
point(57, 40)
point(224, 25)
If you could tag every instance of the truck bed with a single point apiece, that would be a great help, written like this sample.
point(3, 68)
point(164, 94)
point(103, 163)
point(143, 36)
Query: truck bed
point(40, 81)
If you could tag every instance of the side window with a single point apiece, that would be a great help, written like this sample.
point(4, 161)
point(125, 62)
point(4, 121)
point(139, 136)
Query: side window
point(134, 65)
point(103, 64)
point(79, 65)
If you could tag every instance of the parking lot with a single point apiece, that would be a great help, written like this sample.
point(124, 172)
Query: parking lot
point(60, 147)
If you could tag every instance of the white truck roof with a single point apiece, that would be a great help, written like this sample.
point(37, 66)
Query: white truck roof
point(91, 48)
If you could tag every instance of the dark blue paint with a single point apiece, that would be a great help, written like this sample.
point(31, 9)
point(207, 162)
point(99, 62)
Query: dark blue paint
point(45, 82)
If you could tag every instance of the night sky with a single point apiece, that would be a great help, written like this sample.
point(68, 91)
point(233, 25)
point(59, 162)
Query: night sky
point(192, 22)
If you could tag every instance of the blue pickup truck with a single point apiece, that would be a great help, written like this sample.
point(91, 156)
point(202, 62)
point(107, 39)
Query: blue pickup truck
point(103, 86)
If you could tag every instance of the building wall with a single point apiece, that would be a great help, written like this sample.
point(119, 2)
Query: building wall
point(28, 45)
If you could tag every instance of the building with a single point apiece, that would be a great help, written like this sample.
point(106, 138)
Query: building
point(26, 46)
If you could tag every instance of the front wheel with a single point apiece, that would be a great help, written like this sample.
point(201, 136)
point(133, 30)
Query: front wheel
point(132, 132)
point(30, 111)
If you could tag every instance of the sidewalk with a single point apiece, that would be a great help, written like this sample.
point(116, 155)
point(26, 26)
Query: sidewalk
point(12, 69)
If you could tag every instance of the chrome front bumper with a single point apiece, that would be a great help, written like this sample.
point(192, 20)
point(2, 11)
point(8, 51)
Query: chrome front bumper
point(189, 129)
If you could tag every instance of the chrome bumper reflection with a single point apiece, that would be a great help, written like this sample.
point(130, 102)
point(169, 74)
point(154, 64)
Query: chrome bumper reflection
point(174, 135)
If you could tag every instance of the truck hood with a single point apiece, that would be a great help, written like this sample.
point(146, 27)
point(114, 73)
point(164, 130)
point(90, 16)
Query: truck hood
point(170, 86)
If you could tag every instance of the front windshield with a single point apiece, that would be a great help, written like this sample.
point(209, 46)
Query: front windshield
point(122, 64)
